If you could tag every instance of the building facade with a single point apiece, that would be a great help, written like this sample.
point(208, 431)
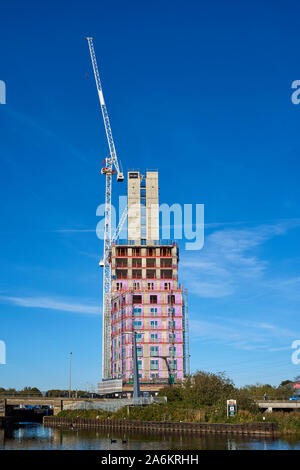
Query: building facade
point(146, 296)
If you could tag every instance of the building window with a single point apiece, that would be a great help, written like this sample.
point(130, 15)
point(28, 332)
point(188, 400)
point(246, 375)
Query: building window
point(121, 262)
point(154, 364)
point(171, 299)
point(136, 285)
point(154, 337)
point(121, 251)
point(154, 351)
point(153, 299)
point(173, 364)
point(150, 285)
point(166, 274)
point(139, 337)
point(150, 274)
point(153, 311)
point(153, 324)
point(172, 337)
point(150, 262)
point(166, 263)
point(140, 364)
point(171, 310)
point(137, 325)
point(165, 252)
point(136, 299)
point(172, 325)
point(154, 375)
point(172, 351)
point(136, 274)
point(136, 262)
point(137, 312)
point(150, 251)
point(139, 351)
point(136, 252)
point(119, 285)
point(121, 273)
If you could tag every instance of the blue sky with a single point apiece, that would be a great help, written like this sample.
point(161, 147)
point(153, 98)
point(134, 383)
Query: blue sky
point(200, 91)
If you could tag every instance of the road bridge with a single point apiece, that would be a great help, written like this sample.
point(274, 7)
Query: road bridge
point(57, 403)
point(278, 405)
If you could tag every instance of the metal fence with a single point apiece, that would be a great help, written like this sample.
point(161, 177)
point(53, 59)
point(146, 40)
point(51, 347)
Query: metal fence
point(115, 404)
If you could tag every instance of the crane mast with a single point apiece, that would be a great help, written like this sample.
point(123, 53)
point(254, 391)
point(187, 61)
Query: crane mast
point(111, 167)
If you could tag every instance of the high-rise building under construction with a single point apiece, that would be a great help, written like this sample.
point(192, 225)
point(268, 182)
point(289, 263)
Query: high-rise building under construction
point(146, 297)
point(142, 300)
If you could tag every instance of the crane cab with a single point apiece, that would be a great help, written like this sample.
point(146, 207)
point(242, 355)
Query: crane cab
point(107, 171)
point(120, 177)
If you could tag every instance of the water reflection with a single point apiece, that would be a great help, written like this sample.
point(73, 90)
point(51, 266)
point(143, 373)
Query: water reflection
point(36, 436)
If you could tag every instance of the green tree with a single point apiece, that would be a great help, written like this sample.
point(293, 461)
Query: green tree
point(285, 382)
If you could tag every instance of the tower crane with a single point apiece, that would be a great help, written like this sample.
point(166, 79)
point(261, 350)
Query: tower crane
point(111, 167)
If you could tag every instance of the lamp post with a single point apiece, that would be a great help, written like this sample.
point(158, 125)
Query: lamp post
point(136, 381)
point(70, 374)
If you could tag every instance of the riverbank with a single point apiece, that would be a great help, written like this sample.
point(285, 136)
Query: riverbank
point(265, 429)
point(287, 423)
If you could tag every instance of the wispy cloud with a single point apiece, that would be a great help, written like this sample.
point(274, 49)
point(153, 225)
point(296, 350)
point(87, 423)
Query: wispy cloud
point(229, 259)
point(242, 334)
point(51, 303)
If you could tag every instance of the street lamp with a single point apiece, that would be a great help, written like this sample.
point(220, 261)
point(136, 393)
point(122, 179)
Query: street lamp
point(70, 374)
point(136, 381)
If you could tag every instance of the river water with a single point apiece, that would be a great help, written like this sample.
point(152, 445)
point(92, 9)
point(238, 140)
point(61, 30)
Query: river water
point(35, 436)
